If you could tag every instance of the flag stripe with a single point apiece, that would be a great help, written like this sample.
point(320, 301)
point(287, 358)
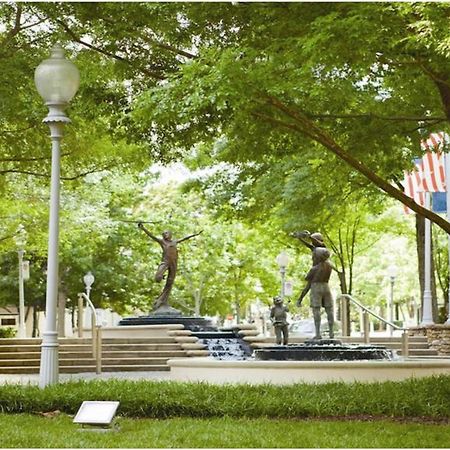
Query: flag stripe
point(412, 186)
point(429, 172)
point(433, 178)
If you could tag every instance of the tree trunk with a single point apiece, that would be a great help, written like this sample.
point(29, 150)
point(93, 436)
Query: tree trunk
point(35, 332)
point(198, 302)
point(420, 241)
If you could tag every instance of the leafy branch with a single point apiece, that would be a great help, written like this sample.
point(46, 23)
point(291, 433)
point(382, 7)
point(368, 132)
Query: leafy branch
point(76, 38)
point(46, 175)
point(300, 123)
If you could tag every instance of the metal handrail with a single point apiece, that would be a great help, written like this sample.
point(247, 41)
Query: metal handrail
point(366, 328)
point(364, 308)
point(96, 330)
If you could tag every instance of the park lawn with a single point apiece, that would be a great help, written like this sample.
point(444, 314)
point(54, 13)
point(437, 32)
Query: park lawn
point(36, 431)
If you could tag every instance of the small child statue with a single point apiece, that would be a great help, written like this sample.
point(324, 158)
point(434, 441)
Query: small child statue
point(278, 315)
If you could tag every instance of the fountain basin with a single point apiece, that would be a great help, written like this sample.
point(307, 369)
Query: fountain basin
point(290, 372)
point(324, 350)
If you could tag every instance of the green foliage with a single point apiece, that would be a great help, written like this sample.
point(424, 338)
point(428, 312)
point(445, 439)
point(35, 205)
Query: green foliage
point(225, 432)
point(201, 81)
point(424, 397)
point(7, 332)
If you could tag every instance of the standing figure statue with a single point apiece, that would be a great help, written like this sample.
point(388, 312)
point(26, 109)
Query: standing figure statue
point(278, 315)
point(317, 281)
point(168, 264)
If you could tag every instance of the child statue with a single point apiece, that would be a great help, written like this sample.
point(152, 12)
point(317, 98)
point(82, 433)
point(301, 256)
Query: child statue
point(278, 315)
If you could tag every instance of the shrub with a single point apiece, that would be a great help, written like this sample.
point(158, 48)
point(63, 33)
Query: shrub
point(426, 397)
point(7, 332)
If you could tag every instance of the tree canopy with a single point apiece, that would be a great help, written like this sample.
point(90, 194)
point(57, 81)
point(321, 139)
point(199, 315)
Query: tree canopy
point(293, 115)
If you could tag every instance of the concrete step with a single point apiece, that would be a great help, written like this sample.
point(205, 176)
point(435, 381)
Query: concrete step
point(75, 355)
point(141, 347)
point(106, 362)
point(88, 340)
point(15, 341)
point(19, 348)
point(36, 362)
point(382, 339)
point(133, 341)
point(90, 368)
point(420, 352)
point(18, 363)
point(140, 368)
point(144, 354)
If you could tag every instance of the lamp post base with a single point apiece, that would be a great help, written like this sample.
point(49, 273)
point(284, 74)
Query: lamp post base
point(49, 369)
point(427, 315)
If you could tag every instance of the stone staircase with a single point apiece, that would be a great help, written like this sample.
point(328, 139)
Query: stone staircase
point(418, 345)
point(20, 356)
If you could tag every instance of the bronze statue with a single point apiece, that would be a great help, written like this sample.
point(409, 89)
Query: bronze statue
point(278, 315)
point(168, 264)
point(317, 281)
point(316, 241)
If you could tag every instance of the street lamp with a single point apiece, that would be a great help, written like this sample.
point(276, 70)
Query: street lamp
point(88, 281)
point(20, 240)
point(57, 81)
point(282, 261)
point(392, 272)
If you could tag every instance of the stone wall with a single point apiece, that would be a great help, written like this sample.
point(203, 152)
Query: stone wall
point(438, 337)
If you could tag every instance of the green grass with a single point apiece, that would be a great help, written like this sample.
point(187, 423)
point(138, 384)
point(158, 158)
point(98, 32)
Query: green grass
point(425, 397)
point(32, 431)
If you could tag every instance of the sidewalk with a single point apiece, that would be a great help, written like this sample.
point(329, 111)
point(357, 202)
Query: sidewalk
point(64, 377)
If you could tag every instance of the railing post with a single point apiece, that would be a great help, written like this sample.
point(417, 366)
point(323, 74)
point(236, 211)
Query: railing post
point(344, 307)
point(405, 344)
point(366, 327)
point(93, 335)
point(98, 348)
point(80, 316)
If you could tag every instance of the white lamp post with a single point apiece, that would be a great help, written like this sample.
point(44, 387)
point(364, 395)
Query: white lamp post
point(427, 309)
point(88, 281)
point(20, 240)
point(282, 261)
point(57, 81)
point(392, 272)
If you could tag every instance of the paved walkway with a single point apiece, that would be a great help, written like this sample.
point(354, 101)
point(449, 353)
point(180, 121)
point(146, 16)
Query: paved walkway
point(34, 378)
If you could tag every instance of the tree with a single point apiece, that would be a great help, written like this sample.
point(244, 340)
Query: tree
point(291, 72)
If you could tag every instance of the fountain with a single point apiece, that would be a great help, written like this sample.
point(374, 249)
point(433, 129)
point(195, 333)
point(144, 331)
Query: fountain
point(324, 350)
point(225, 345)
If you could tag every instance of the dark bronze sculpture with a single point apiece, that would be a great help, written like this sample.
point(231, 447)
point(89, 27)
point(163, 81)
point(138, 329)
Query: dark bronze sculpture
point(317, 281)
point(278, 315)
point(168, 264)
point(315, 241)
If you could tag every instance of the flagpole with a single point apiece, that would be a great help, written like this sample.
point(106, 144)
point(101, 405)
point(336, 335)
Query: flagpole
point(427, 311)
point(447, 190)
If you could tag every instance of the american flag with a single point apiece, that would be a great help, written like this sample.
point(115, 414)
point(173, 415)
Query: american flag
point(429, 173)
point(412, 185)
point(433, 171)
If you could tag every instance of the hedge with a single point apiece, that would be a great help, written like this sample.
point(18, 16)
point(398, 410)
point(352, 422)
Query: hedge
point(424, 398)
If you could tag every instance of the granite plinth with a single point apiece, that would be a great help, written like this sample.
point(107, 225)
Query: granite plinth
point(166, 310)
point(323, 350)
point(190, 323)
